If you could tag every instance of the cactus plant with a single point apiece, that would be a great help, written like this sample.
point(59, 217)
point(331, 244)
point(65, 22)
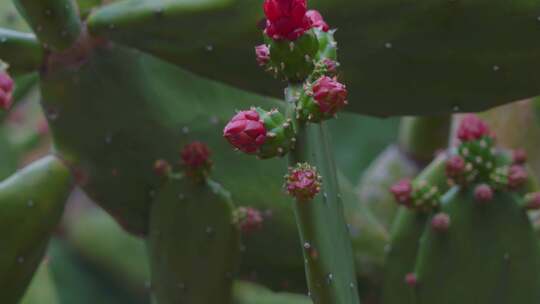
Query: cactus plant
point(120, 105)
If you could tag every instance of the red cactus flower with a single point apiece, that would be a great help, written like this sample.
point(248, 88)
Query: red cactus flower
point(517, 176)
point(286, 19)
point(519, 156)
point(440, 222)
point(195, 155)
point(483, 193)
point(455, 166)
point(402, 191)
point(246, 132)
point(303, 182)
point(6, 90)
point(263, 54)
point(249, 219)
point(329, 94)
point(532, 201)
point(316, 20)
point(472, 128)
point(411, 279)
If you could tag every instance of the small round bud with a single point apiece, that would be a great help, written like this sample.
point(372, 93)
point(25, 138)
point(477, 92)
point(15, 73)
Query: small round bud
point(483, 193)
point(248, 219)
point(263, 54)
point(196, 159)
point(411, 279)
point(455, 166)
point(517, 176)
point(472, 128)
point(519, 156)
point(246, 132)
point(6, 90)
point(532, 201)
point(303, 182)
point(330, 95)
point(440, 222)
point(162, 168)
point(402, 191)
point(316, 20)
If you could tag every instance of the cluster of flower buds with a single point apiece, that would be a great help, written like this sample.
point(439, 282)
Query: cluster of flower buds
point(420, 195)
point(248, 219)
point(297, 40)
point(263, 133)
point(6, 90)
point(303, 182)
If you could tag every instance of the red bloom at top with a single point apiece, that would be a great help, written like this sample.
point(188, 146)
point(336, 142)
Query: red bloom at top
point(6, 90)
point(316, 20)
point(286, 19)
point(195, 155)
point(472, 128)
point(246, 132)
point(329, 94)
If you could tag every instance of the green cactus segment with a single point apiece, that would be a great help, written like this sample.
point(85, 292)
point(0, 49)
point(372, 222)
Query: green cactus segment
point(282, 134)
point(382, 48)
point(421, 137)
point(489, 246)
point(21, 51)
point(435, 174)
point(42, 289)
point(401, 256)
point(249, 293)
point(321, 222)
point(155, 26)
point(55, 22)
point(99, 240)
point(31, 203)
point(294, 60)
point(193, 244)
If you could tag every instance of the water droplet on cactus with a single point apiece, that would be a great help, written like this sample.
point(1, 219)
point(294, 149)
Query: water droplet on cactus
point(496, 68)
point(108, 139)
point(214, 120)
point(210, 230)
point(209, 48)
point(181, 196)
point(52, 114)
point(30, 203)
point(388, 45)
point(307, 245)
point(506, 256)
point(387, 248)
point(48, 12)
point(329, 278)
point(147, 285)
point(20, 260)
point(456, 108)
point(181, 286)
point(351, 285)
point(185, 130)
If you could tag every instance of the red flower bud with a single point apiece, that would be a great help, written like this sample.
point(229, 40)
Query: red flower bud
point(246, 132)
point(303, 182)
point(316, 20)
point(472, 128)
point(162, 168)
point(330, 66)
point(263, 54)
point(410, 279)
point(517, 176)
point(286, 19)
point(440, 222)
point(532, 201)
point(483, 193)
point(329, 94)
point(402, 191)
point(196, 155)
point(519, 156)
point(455, 166)
point(248, 219)
point(6, 90)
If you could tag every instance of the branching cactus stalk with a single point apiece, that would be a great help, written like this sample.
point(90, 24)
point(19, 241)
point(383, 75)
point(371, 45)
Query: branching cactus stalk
point(300, 49)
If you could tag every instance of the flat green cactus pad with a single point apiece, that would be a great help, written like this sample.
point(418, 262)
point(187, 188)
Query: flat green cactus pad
point(31, 203)
point(425, 51)
point(249, 293)
point(490, 254)
point(193, 244)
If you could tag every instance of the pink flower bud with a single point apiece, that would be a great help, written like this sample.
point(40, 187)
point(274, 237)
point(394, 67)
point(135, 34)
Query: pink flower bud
point(532, 201)
point(249, 219)
point(196, 155)
point(517, 176)
point(455, 166)
point(303, 182)
point(330, 66)
point(263, 54)
point(316, 20)
point(472, 128)
point(440, 222)
point(6, 90)
point(402, 191)
point(246, 132)
point(410, 279)
point(286, 19)
point(329, 94)
point(483, 193)
point(162, 168)
point(519, 156)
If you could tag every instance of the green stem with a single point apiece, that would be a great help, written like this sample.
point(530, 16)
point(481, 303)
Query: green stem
point(56, 22)
point(20, 50)
point(421, 137)
point(321, 223)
